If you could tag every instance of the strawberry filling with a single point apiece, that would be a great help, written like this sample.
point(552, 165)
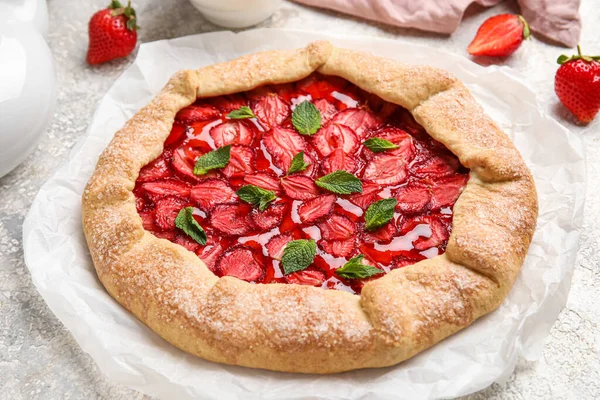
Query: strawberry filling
point(247, 243)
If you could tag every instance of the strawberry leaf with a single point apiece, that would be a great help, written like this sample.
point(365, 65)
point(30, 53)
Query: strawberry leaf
point(186, 222)
point(355, 269)
point(378, 145)
point(241, 113)
point(340, 182)
point(298, 255)
point(256, 196)
point(298, 163)
point(306, 118)
point(379, 213)
point(213, 160)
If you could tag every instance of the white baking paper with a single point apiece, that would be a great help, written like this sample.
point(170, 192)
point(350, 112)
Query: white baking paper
point(131, 354)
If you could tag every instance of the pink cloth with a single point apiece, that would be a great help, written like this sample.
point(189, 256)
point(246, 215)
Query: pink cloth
point(557, 20)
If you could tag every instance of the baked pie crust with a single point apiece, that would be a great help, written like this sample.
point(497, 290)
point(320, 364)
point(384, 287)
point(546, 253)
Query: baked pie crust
point(296, 328)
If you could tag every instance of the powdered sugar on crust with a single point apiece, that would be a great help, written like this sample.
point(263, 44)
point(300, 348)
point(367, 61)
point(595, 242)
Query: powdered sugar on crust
point(300, 328)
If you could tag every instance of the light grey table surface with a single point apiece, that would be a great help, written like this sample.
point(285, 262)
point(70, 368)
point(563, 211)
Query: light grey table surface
point(38, 356)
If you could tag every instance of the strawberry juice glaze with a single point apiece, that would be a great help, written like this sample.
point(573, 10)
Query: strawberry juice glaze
point(244, 242)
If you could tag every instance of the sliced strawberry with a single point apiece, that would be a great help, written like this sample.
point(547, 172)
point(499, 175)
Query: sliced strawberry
point(386, 169)
point(321, 87)
point(140, 203)
point(335, 136)
point(381, 235)
point(157, 169)
point(209, 255)
point(148, 220)
point(369, 195)
point(183, 162)
point(319, 207)
point(283, 144)
point(277, 244)
point(338, 248)
point(402, 261)
point(211, 192)
point(194, 113)
point(233, 132)
point(360, 120)
point(228, 103)
point(167, 187)
point(299, 187)
point(438, 166)
point(269, 218)
point(263, 180)
point(406, 147)
point(241, 161)
point(339, 160)
point(187, 242)
point(240, 262)
point(337, 227)
point(271, 110)
point(413, 198)
point(439, 231)
point(309, 277)
point(169, 235)
point(327, 110)
point(178, 132)
point(446, 190)
point(166, 211)
point(231, 219)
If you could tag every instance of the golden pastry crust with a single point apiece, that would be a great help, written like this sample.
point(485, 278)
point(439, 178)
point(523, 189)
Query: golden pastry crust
point(286, 327)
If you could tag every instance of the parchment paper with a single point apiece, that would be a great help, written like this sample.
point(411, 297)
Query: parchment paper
point(131, 354)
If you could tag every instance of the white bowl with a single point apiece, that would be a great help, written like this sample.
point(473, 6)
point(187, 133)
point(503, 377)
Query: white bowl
point(236, 13)
point(27, 92)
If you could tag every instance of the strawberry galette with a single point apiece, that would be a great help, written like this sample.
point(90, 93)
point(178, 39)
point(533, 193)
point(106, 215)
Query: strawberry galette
point(316, 210)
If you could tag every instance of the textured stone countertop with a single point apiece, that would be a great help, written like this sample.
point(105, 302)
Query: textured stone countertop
point(38, 356)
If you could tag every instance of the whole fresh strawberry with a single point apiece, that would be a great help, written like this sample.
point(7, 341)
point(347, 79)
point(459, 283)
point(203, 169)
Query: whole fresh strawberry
point(113, 33)
point(577, 84)
point(499, 36)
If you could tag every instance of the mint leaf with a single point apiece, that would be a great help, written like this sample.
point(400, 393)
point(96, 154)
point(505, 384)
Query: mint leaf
point(256, 196)
point(378, 145)
point(298, 255)
point(298, 163)
point(186, 222)
point(380, 213)
point(215, 159)
point(306, 118)
point(340, 182)
point(241, 113)
point(355, 269)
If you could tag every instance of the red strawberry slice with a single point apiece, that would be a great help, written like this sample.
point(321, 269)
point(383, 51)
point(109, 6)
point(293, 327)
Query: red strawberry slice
point(183, 162)
point(335, 136)
point(283, 144)
point(240, 262)
point(386, 169)
point(232, 219)
point(319, 207)
point(338, 248)
point(438, 166)
point(166, 211)
point(241, 161)
point(402, 261)
point(307, 277)
point(167, 187)
point(326, 109)
point(339, 160)
point(269, 218)
point(178, 132)
point(211, 192)
point(446, 190)
point(385, 234)
point(413, 198)
point(271, 110)
point(187, 242)
point(194, 113)
point(406, 147)
point(321, 87)
point(228, 103)
point(263, 180)
point(209, 255)
point(169, 235)
point(157, 169)
point(369, 195)
point(337, 227)
point(361, 121)
point(439, 231)
point(232, 132)
point(148, 220)
point(299, 187)
point(277, 244)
